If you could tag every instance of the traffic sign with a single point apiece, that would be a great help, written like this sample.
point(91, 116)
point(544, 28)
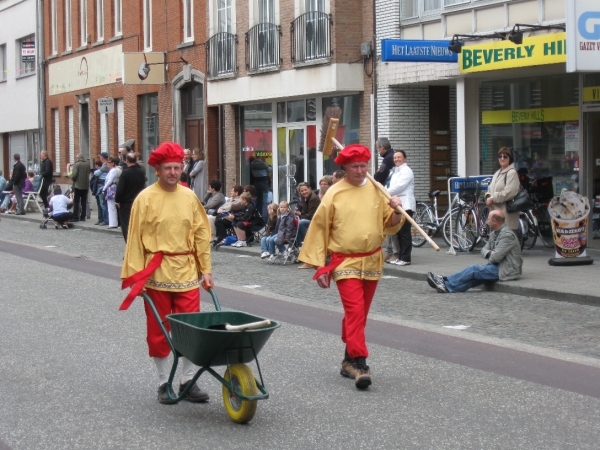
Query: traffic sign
point(106, 105)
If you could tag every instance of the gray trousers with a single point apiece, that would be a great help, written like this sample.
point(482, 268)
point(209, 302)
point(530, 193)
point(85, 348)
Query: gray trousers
point(390, 245)
point(19, 196)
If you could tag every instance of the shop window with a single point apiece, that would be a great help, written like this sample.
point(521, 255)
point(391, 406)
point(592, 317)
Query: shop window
point(67, 26)
point(349, 128)
point(257, 140)
point(149, 129)
point(26, 51)
point(539, 120)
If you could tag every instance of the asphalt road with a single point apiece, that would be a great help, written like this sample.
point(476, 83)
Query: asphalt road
point(76, 374)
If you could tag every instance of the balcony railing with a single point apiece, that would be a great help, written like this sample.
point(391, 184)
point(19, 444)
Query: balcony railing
point(262, 47)
point(221, 54)
point(311, 37)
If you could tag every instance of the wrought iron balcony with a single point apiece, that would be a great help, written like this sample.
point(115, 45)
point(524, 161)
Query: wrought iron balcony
point(221, 55)
point(311, 37)
point(262, 47)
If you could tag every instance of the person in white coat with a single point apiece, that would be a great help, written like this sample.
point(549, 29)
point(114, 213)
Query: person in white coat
point(402, 184)
point(111, 183)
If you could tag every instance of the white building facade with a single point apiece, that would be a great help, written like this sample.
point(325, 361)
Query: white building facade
point(518, 96)
point(19, 114)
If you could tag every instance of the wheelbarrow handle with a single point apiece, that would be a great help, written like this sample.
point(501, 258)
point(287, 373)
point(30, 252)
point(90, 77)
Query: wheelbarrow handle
point(248, 326)
point(213, 295)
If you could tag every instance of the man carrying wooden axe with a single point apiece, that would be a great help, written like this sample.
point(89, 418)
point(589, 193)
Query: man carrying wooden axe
point(351, 224)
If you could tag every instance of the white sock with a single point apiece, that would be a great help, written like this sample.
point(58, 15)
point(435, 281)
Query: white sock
point(163, 367)
point(188, 370)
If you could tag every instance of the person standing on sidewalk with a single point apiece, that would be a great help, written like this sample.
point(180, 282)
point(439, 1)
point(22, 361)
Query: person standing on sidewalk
point(402, 184)
point(503, 253)
point(80, 174)
point(167, 252)
point(17, 183)
point(387, 164)
point(131, 182)
point(101, 175)
point(350, 224)
point(46, 170)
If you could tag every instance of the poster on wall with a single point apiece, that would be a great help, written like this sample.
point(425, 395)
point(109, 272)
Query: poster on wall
point(583, 35)
point(571, 137)
point(27, 51)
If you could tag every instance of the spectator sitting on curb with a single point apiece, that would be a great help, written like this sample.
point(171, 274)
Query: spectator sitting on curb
point(285, 231)
point(338, 175)
point(269, 229)
point(59, 204)
point(232, 204)
point(184, 180)
point(503, 253)
point(214, 199)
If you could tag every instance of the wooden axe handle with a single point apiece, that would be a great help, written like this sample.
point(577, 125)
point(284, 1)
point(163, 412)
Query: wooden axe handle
point(398, 208)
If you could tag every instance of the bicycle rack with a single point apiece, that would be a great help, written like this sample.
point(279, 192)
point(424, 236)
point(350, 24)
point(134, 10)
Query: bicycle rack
point(454, 185)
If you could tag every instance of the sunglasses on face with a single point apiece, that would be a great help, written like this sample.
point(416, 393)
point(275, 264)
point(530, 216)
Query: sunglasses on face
point(503, 156)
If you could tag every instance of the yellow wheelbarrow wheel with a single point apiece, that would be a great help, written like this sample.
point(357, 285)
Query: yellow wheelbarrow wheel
point(242, 379)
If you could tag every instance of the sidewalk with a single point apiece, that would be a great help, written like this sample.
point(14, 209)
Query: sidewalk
point(578, 284)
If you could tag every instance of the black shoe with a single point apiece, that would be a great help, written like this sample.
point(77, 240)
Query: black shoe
point(98, 223)
point(163, 397)
point(362, 379)
point(74, 220)
point(195, 394)
point(431, 280)
point(22, 213)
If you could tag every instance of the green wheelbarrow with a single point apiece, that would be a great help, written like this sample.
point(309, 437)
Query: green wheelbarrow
point(221, 338)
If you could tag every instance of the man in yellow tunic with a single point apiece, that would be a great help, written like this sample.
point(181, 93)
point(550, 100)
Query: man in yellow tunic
point(168, 247)
point(351, 224)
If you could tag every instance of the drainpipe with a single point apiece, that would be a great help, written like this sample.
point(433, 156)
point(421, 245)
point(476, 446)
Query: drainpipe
point(41, 84)
point(374, 83)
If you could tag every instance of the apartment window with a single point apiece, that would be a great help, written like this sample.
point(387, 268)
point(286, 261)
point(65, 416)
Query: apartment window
point(26, 56)
point(100, 20)
point(120, 121)
point(83, 21)
point(147, 24)
point(67, 28)
point(410, 9)
point(56, 129)
point(3, 62)
point(104, 138)
point(118, 17)
point(266, 11)
point(188, 21)
point(224, 19)
point(455, 2)
point(314, 5)
point(53, 27)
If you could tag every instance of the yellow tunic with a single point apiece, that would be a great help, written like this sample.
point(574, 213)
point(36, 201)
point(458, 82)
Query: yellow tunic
point(170, 222)
point(350, 219)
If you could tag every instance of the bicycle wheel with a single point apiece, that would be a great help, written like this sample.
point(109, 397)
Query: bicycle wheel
point(423, 217)
point(544, 225)
point(531, 236)
point(464, 228)
point(484, 229)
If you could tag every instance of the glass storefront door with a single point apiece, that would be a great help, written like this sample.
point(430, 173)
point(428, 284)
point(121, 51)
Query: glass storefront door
point(592, 139)
point(149, 125)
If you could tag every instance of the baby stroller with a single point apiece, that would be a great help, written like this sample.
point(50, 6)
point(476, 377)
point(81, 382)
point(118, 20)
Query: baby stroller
point(292, 251)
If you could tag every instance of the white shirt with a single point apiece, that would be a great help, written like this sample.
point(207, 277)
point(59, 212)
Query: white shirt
point(111, 178)
point(59, 204)
point(402, 184)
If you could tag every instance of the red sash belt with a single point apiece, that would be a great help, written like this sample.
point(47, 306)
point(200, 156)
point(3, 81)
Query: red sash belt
point(337, 259)
point(138, 280)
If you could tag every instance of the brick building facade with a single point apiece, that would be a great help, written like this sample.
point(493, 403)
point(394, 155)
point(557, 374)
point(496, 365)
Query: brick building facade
point(85, 42)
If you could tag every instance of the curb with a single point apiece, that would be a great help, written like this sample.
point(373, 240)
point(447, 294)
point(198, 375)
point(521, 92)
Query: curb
point(92, 228)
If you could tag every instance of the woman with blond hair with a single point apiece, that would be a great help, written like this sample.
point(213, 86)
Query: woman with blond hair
point(198, 174)
point(325, 183)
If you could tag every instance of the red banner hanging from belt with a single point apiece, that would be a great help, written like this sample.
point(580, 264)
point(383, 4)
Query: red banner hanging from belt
point(337, 259)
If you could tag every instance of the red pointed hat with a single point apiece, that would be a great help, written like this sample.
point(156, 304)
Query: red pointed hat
point(353, 153)
point(166, 152)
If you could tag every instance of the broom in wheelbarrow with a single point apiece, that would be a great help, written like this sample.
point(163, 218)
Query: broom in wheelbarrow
point(331, 125)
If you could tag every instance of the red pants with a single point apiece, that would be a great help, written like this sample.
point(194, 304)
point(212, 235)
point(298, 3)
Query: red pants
point(357, 296)
point(167, 303)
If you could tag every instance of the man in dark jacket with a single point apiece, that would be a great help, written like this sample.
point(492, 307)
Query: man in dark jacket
point(46, 170)
point(17, 182)
point(259, 178)
point(503, 253)
point(131, 182)
point(387, 153)
point(80, 174)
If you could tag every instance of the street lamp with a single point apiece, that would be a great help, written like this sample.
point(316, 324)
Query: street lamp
point(457, 42)
point(516, 34)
